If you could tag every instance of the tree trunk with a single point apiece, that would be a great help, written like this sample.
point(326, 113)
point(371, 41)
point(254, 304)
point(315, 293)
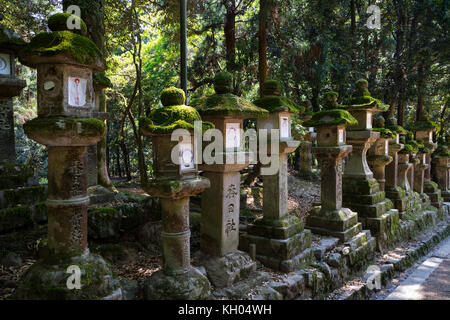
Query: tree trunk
point(264, 8)
point(230, 34)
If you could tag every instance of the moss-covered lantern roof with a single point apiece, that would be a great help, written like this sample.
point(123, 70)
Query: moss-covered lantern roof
point(394, 127)
point(65, 46)
point(362, 99)
point(173, 115)
point(224, 103)
point(272, 100)
point(331, 118)
point(10, 40)
point(424, 125)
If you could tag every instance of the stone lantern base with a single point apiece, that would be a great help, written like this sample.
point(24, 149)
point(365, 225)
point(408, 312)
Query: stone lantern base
point(375, 212)
point(48, 279)
point(399, 197)
point(281, 244)
point(431, 189)
point(191, 285)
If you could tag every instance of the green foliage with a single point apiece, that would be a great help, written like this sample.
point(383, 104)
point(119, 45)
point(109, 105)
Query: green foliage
point(423, 125)
point(101, 79)
point(278, 104)
point(223, 82)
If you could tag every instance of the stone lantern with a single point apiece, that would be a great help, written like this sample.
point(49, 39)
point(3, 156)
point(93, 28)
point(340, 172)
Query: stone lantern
point(404, 166)
point(273, 237)
point(419, 169)
point(441, 172)
point(331, 219)
point(424, 129)
point(306, 158)
point(413, 159)
point(176, 180)
point(361, 191)
point(65, 62)
point(10, 86)
point(378, 155)
point(219, 241)
point(393, 191)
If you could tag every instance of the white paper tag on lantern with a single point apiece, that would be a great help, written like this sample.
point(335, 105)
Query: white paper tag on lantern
point(386, 147)
point(186, 157)
point(369, 120)
point(5, 64)
point(431, 136)
point(341, 136)
point(77, 92)
point(233, 134)
point(285, 126)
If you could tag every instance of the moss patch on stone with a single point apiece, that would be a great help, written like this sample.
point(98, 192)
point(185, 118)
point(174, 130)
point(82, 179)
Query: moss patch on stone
point(228, 105)
point(396, 128)
point(58, 22)
point(407, 149)
point(331, 118)
point(271, 87)
point(80, 48)
point(168, 119)
point(385, 133)
point(172, 96)
point(223, 82)
point(361, 98)
point(60, 126)
point(278, 104)
point(423, 125)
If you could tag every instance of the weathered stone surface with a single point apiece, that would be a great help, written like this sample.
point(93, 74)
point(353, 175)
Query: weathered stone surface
point(325, 245)
point(192, 285)
point(98, 194)
point(228, 269)
point(47, 279)
point(11, 260)
point(104, 223)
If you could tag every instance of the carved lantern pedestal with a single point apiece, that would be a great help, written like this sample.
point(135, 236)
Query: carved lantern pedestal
point(419, 172)
point(279, 240)
point(378, 158)
point(361, 192)
point(331, 219)
point(65, 104)
point(219, 233)
point(441, 171)
point(424, 134)
point(176, 180)
point(12, 175)
point(404, 168)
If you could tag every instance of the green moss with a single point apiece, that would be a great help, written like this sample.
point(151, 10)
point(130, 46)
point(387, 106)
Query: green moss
point(172, 96)
point(331, 118)
point(100, 78)
point(58, 22)
point(228, 105)
point(52, 126)
point(271, 88)
point(78, 47)
point(385, 133)
point(223, 82)
point(278, 104)
point(13, 218)
point(396, 129)
point(14, 175)
point(423, 125)
point(362, 99)
point(168, 119)
point(407, 149)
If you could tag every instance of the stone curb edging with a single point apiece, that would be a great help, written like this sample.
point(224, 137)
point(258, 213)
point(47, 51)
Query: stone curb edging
point(393, 266)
